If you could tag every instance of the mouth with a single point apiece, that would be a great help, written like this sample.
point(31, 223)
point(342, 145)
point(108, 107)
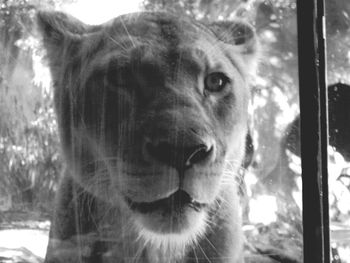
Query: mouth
point(176, 202)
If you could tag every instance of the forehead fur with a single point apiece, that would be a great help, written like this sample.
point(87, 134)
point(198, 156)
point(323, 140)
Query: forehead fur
point(157, 35)
point(158, 27)
point(71, 43)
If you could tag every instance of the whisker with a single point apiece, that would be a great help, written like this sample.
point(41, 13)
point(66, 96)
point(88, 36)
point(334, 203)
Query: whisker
point(195, 255)
point(127, 31)
point(117, 43)
point(211, 244)
point(138, 254)
point(205, 255)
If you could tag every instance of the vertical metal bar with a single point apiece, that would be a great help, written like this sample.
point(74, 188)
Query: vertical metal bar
point(323, 155)
point(313, 129)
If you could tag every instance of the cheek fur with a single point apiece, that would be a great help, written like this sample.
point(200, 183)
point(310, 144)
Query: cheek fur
point(231, 112)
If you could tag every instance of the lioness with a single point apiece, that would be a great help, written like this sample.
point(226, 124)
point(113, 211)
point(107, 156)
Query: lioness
point(152, 111)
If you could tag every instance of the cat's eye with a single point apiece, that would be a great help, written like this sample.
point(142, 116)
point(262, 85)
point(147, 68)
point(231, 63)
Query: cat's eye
point(216, 81)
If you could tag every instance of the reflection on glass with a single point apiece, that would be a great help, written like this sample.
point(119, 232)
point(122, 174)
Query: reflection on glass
point(31, 160)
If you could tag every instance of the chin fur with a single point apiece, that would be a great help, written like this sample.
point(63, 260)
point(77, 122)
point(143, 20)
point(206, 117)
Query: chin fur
point(169, 247)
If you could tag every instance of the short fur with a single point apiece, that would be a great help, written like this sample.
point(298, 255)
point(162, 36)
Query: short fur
point(124, 90)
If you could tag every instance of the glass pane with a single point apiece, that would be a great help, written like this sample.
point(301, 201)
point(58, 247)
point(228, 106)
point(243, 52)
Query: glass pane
point(130, 142)
point(338, 69)
point(274, 178)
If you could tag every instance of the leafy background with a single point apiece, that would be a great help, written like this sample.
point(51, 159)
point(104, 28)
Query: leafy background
point(30, 160)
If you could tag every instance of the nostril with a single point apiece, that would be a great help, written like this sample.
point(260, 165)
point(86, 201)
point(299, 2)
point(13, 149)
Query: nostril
point(197, 154)
point(178, 157)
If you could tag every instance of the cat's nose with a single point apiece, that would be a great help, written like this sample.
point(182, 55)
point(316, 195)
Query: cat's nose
point(179, 156)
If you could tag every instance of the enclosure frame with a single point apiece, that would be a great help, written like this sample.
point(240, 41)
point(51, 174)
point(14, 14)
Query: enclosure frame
point(313, 129)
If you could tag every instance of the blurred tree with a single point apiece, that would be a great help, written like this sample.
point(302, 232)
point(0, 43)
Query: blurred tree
point(338, 40)
point(207, 10)
point(338, 14)
point(29, 160)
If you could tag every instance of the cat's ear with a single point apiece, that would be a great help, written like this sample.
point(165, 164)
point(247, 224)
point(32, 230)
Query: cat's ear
point(57, 27)
point(241, 36)
point(61, 34)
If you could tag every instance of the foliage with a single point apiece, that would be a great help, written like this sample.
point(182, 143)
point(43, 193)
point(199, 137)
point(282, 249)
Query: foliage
point(30, 162)
point(29, 158)
point(200, 9)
